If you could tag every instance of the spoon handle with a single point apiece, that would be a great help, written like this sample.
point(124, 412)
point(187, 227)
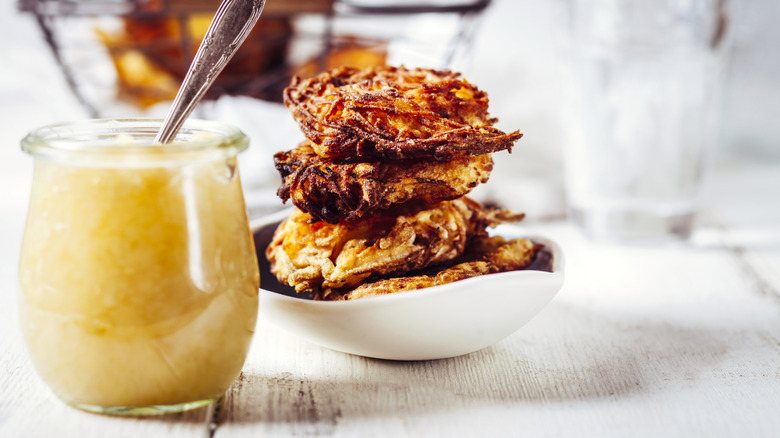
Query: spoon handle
point(230, 27)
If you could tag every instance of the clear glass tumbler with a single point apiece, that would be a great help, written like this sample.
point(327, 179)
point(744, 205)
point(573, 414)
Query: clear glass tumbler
point(646, 79)
point(138, 273)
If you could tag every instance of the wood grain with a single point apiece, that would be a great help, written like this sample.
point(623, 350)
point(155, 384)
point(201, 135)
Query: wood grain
point(676, 344)
point(641, 341)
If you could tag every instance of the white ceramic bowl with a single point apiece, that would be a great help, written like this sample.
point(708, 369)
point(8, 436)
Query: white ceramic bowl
point(433, 323)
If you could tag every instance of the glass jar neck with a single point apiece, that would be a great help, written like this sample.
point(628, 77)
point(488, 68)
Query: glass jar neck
point(130, 142)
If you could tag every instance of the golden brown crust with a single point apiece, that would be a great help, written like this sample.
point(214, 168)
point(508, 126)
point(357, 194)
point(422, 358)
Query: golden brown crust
point(485, 255)
point(394, 113)
point(334, 191)
point(308, 255)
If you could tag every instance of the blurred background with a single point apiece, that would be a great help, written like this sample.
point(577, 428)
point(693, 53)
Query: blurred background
point(65, 60)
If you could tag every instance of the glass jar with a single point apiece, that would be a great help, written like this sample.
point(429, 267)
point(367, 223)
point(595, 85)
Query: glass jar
point(138, 273)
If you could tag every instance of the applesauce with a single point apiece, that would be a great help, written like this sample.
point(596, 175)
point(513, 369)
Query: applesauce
point(138, 273)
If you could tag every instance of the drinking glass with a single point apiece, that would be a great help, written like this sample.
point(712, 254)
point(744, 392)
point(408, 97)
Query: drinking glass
point(646, 79)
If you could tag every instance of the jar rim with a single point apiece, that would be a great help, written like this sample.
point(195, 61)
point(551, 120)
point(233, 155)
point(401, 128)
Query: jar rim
point(131, 140)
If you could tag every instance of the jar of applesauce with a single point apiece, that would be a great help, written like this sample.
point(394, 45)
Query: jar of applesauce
point(138, 273)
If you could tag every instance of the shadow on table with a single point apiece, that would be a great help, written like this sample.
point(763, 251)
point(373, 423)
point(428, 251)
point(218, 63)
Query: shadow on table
point(573, 354)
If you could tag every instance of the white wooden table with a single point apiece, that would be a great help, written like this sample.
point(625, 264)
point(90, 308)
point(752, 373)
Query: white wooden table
point(641, 341)
point(663, 341)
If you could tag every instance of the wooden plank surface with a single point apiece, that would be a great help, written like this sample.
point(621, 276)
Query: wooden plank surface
point(750, 229)
point(605, 357)
point(672, 341)
point(680, 341)
point(641, 341)
point(675, 345)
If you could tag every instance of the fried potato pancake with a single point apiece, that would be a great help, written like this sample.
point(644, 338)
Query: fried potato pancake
point(484, 255)
point(394, 113)
point(334, 191)
point(309, 255)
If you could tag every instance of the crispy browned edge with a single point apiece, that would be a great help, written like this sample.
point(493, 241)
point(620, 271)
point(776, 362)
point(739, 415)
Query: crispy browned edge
point(333, 191)
point(485, 255)
point(357, 137)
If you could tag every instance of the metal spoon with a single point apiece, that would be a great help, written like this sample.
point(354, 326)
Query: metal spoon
point(229, 28)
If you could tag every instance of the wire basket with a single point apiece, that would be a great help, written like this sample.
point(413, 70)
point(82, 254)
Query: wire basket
point(128, 57)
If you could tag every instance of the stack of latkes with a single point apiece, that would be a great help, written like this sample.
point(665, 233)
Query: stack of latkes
point(379, 185)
